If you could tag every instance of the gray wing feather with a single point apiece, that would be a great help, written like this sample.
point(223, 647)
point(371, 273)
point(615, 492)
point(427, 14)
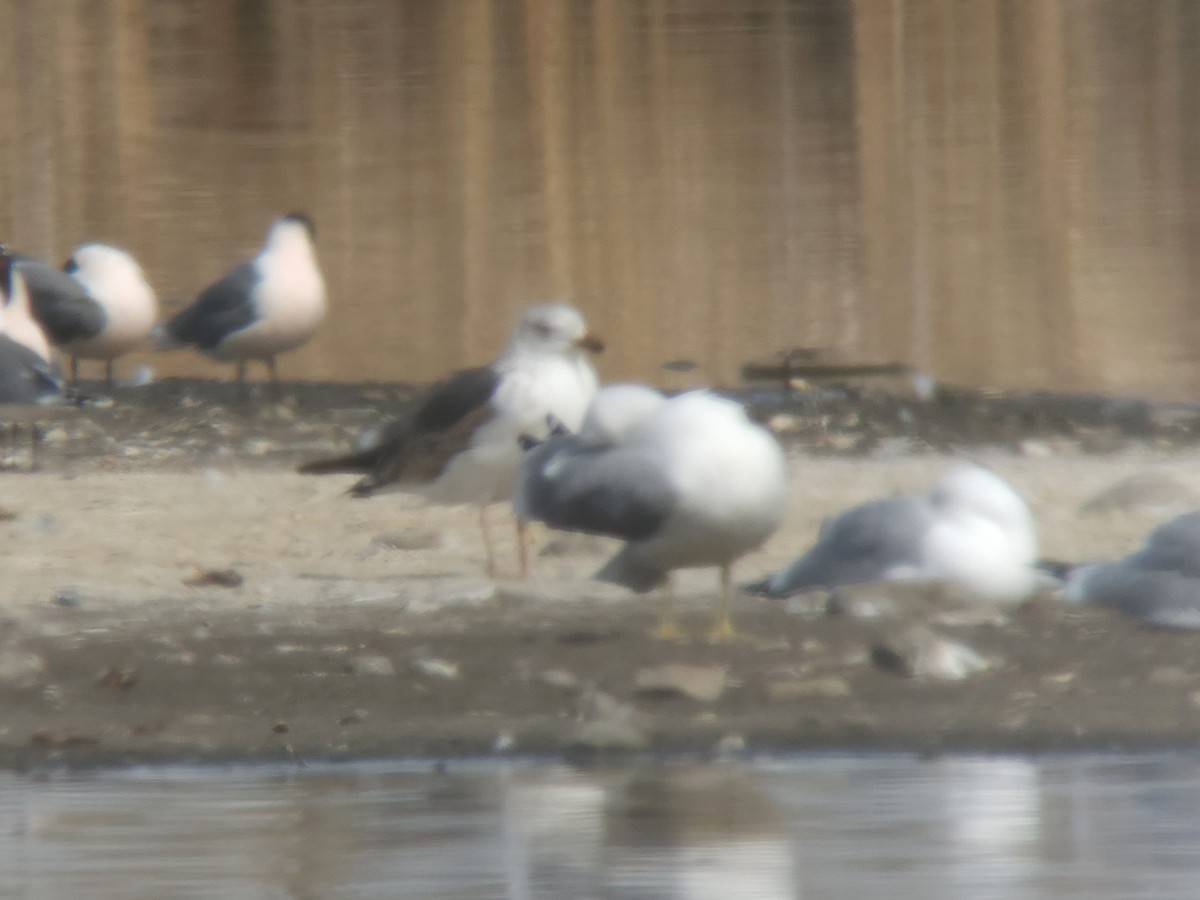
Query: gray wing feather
point(1173, 547)
point(221, 309)
point(858, 545)
point(62, 305)
point(607, 491)
point(1162, 599)
point(24, 376)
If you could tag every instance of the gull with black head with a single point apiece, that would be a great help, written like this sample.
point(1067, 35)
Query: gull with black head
point(261, 308)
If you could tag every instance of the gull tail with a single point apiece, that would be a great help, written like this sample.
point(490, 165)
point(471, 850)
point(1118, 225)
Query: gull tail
point(359, 462)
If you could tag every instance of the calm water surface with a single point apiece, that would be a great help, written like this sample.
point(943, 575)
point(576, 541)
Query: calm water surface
point(891, 826)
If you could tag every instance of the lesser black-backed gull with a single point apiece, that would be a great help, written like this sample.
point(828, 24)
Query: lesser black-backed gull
point(687, 482)
point(971, 529)
point(260, 309)
point(459, 444)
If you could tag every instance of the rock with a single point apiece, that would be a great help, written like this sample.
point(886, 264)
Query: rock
point(68, 598)
point(607, 735)
point(371, 664)
point(227, 578)
point(559, 678)
point(919, 652)
point(828, 687)
point(703, 683)
point(411, 538)
point(432, 667)
point(504, 742)
point(20, 668)
point(1145, 491)
point(594, 704)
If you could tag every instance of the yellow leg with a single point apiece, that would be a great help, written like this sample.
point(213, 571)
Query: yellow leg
point(668, 625)
point(722, 629)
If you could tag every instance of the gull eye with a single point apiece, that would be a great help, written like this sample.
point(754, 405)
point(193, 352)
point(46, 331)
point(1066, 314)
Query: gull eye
point(542, 329)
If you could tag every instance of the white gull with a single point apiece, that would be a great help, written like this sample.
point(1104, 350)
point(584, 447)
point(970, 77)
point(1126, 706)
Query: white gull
point(687, 482)
point(971, 529)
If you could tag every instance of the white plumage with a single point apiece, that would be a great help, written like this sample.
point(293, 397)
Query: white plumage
point(686, 482)
point(971, 528)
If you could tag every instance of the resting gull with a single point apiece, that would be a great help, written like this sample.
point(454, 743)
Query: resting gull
point(460, 442)
point(971, 528)
point(1159, 583)
point(686, 482)
point(262, 308)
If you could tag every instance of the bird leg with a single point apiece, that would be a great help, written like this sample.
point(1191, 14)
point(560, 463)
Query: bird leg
point(108, 374)
point(722, 629)
point(668, 624)
point(74, 370)
point(487, 542)
point(522, 548)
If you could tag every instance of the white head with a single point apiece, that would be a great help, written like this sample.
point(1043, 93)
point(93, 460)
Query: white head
point(108, 272)
point(970, 490)
point(293, 231)
point(553, 328)
point(616, 409)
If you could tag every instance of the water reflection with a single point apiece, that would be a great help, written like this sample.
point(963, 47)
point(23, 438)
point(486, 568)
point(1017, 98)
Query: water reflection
point(1089, 827)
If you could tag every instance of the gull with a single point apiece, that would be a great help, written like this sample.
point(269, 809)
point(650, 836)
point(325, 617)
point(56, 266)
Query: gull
point(99, 307)
point(114, 281)
point(1158, 583)
point(261, 308)
point(971, 528)
point(26, 374)
point(686, 482)
point(459, 444)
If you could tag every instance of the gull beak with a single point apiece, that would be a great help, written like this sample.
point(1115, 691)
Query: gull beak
point(591, 343)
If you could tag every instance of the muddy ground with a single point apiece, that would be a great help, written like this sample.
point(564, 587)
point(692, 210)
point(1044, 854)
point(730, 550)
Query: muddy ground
point(172, 591)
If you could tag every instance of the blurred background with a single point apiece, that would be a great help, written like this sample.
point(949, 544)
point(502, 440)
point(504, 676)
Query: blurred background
point(1003, 193)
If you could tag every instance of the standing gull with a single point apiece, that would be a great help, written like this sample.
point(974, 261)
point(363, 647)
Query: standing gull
point(113, 280)
point(971, 528)
point(1159, 583)
point(460, 442)
point(262, 308)
point(686, 482)
point(59, 303)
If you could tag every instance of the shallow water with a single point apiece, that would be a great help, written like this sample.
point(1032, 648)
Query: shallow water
point(893, 826)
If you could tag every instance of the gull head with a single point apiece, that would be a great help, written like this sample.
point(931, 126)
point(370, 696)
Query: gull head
point(616, 409)
point(973, 490)
point(555, 328)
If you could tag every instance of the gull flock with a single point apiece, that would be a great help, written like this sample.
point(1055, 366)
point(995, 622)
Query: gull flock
point(682, 481)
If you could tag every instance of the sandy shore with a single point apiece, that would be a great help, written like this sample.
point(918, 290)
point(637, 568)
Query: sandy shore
point(338, 628)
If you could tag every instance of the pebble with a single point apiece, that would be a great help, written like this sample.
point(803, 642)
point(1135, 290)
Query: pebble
point(371, 664)
point(918, 652)
point(412, 538)
point(829, 687)
point(432, 667)
point(703, 683)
